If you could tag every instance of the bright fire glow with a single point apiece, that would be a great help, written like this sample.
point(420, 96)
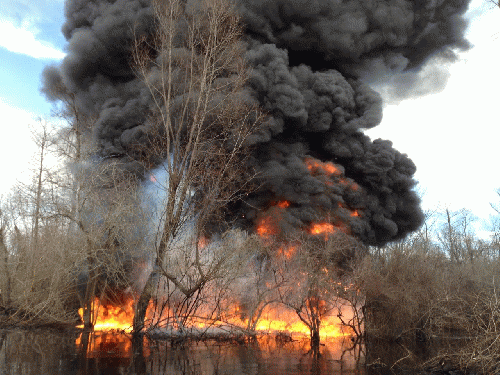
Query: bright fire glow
point(267, 227)
point(109, 317)
point(278, 319)
point(287, 251)
point(202, 242)
point(327, 229)
point(328, 167)
point(103, 343)
point(267, 224)
point(322, 228)
point(283, 204)
point(274, 318)
point(317, 166)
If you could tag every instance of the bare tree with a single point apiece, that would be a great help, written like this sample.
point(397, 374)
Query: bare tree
point(42, 143)
point(5, 260)
point(34, 196)
point(458, 238)
point(495, 2)
point(200, 124)
point(73, 148)
point(308, 277)
point(324, 264)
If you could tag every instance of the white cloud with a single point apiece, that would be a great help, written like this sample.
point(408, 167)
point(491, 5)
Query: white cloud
point(453, 136)
point(16, 147)
point(22, 39)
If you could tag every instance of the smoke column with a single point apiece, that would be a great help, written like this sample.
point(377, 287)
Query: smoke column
point(310, 59)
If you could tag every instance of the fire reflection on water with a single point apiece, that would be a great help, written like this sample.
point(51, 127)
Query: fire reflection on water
point(98, 344)
point(49, 352)
point(262, 355)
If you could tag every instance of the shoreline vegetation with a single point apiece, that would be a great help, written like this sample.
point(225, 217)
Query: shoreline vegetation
point(439, 284)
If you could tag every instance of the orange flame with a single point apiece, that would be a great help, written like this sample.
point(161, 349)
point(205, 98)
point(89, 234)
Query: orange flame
point(322, 228)
point(202, 242)
point(349, 184)
point(328, 167)
point(317, 166)
point(105, 343)
point(275, 319)
point(267, 225)
point(283, 204)
point(327, 229)
point(287, 251)
point(109, 317)
point(353, 213)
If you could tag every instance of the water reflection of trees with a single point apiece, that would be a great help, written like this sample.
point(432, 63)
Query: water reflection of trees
point(260, 356)
point(46, 352)
point(24, 352)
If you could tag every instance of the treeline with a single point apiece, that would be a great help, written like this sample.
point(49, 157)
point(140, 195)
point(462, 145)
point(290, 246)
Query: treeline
point(441, 283)
point(59, 231)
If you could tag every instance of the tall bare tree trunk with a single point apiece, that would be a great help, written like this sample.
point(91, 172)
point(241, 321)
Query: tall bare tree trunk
point(6, 284)
point(77, 183)
point(143, 302)
point(42, 143)
point(201, 139)
point(452, 240)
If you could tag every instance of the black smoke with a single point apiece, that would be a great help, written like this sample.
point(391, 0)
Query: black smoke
point(310, 59)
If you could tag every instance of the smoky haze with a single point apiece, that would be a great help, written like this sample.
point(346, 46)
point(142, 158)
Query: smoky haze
point(310, 61)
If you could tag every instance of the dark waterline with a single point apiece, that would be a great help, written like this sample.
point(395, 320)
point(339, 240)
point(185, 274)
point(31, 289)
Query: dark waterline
point(47, 352)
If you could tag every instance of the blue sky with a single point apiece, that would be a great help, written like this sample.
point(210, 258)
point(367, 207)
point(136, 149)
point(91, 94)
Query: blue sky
point(30, 37)
point(452, 136)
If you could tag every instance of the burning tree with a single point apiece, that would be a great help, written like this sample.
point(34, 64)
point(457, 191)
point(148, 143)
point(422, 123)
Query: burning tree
point(199, 127)
point(308, 275)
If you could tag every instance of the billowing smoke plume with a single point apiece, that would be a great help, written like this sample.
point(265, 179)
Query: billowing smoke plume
point(309, 59)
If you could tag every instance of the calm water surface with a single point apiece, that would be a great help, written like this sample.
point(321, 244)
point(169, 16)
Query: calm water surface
point(47, 352)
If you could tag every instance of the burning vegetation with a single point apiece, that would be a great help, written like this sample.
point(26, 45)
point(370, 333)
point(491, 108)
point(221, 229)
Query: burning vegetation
point(290, 287)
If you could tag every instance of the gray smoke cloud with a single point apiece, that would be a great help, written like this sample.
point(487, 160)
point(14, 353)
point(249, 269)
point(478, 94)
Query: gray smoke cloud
point(311, 60)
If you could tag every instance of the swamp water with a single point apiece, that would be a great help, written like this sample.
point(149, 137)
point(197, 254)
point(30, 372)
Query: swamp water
point(47, 352)
point(44, 352)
